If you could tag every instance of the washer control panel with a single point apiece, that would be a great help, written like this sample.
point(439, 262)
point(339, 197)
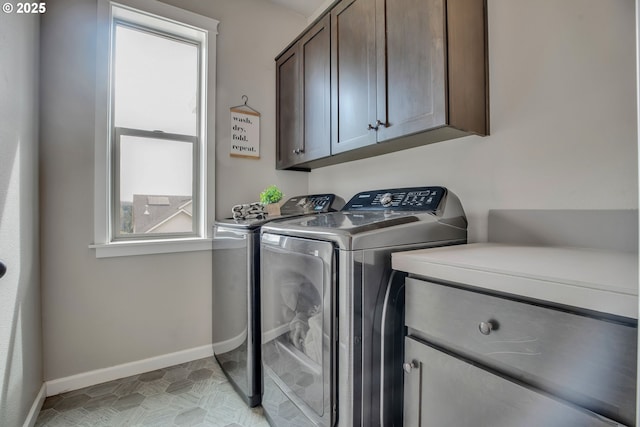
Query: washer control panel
point(310, 203)
point(398, 199)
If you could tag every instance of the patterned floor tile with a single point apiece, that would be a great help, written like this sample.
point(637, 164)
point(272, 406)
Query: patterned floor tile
point(153, 388)
point(151, 376)
point(200, 374)
point(100, 402)
point(194, 394)
point(51, 402)
point(180, 386)
point(127, 402)
point(102, 389)
point(71, 403)
point(190, 417)
point(128, 387)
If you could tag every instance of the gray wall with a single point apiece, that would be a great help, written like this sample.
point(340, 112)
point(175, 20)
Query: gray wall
point(20, 319)
point(104, 312)
point(252, 33)
point(563, 119)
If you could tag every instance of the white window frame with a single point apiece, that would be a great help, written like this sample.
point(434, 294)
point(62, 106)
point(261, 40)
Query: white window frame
point(167, 16)
point(117, 134)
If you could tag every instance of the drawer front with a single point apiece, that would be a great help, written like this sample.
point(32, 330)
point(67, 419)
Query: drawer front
point(587, 361)
point(442, 390)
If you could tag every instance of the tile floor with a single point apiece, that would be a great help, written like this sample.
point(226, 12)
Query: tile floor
point(191, 394)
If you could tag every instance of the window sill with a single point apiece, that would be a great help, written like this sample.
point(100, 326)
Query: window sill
point(150, 247)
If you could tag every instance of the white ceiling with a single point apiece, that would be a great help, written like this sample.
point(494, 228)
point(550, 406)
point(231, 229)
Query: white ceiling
point(304, 7)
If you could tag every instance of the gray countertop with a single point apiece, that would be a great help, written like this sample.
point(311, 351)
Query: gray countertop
point(595, 279)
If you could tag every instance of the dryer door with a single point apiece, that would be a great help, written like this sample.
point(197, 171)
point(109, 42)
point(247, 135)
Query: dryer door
point(297, 300)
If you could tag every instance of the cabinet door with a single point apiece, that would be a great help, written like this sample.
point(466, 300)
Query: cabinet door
point(353, 75)
point(442, 390)
point(537, 344)
point(315, 57)
point(288, 112)
point(411, 76)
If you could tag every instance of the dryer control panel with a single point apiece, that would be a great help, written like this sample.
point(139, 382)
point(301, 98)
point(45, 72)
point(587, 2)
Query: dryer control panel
point(398, 199)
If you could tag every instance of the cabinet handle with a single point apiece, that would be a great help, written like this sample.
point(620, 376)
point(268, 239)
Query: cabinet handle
point(377, 126)
point(485, 328)
point(3, 269)
point(298, 151)
point(408, 366)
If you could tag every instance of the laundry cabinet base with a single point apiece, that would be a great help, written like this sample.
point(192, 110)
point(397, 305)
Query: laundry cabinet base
point(479, 359)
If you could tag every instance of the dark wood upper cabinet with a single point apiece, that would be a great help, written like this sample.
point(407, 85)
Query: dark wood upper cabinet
point(288, 117)
point(411, 63)
point(467, 66)
point(315, 51)
point(353, 75)
point(403, 73)
point(303, 99)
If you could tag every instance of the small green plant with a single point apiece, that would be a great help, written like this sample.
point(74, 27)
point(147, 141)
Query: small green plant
point(271, 194)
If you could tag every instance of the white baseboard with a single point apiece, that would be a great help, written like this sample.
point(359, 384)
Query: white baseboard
point(230, 344)
point(87, 379)
point(32, 416)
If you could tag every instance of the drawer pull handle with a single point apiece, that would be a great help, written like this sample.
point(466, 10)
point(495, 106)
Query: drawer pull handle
point(485, 328)
point(408, 366)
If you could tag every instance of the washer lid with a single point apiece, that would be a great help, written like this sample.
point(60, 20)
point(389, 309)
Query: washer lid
point(354, 222)
point(294, 207)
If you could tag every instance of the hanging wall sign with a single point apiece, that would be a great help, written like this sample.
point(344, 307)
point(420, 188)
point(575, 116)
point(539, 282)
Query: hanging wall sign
point(245, 131)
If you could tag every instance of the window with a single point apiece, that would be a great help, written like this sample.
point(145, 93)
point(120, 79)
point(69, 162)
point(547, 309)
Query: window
point(155, 133)
point(154, 106)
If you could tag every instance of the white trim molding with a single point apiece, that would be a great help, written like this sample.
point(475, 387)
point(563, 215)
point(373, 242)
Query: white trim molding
point(103, 235)
point(230, 344)
point(99, 376)
point(165, 246)
point(147, 247)
point(32, 416)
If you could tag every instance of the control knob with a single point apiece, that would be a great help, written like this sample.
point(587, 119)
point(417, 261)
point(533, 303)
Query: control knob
point(386, 200)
